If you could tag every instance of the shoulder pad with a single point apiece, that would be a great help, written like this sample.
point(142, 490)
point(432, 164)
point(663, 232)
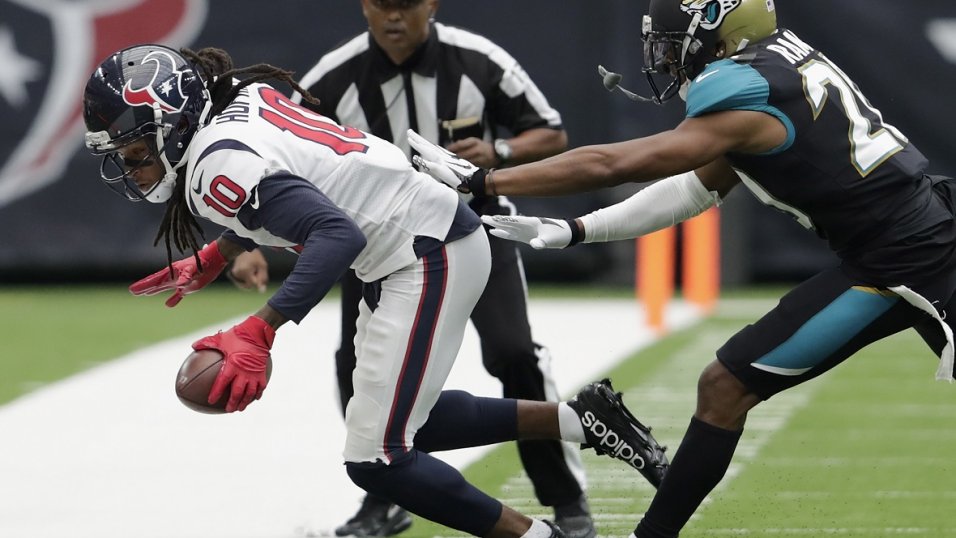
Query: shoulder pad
point(727, 85)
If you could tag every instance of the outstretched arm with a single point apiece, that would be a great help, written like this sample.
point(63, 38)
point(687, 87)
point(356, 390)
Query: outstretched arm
point(663, 204)
point(692, 145)
point(187, 276)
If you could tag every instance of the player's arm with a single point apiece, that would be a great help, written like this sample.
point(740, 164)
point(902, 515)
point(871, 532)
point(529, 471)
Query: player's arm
point(295, 210)
point(658, 206)
point(692, 145)
point(192, 273)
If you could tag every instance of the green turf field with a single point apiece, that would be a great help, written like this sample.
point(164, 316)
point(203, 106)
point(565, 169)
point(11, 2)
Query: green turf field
point(50, 333)
point(866, 451)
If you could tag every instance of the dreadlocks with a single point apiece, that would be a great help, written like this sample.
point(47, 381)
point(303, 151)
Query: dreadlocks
point(179, 226)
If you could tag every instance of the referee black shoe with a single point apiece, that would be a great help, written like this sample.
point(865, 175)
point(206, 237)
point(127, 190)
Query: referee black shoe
point(610, 429)
point(376, 517)
point(555, 531)
point(574, 519)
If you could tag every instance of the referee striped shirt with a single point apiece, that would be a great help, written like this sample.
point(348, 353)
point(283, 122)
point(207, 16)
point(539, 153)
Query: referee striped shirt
point(456, 85)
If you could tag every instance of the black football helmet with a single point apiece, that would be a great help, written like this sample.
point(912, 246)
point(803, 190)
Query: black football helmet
point(681, 36)
point(145, 92)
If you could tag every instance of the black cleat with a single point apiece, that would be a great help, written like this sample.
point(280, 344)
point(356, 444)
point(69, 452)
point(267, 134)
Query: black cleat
point(610, 429)
point(574, 519)
point(555, 531)
point(576, 526)
point(376, 517)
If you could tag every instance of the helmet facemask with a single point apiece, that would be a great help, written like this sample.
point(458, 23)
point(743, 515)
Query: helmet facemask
point(670, 56)
point(165, 146)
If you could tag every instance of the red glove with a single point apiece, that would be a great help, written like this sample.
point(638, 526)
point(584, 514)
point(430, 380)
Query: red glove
point(185, 278)
point(246, 350)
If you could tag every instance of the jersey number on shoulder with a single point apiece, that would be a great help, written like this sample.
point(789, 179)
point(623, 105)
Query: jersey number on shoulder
point(225, 196)
point(867, 149)
point(308, 125)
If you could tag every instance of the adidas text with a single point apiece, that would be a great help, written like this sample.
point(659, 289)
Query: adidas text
point(611, 443)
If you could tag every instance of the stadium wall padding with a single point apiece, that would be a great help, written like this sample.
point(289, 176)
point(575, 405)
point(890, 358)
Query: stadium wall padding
point(57, 222)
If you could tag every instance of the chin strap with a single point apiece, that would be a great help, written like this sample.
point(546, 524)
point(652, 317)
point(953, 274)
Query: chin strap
point(691, 44)
point(206, 108)
point(162, 191)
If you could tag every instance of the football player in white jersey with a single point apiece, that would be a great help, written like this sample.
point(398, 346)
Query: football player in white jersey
point(213, 141)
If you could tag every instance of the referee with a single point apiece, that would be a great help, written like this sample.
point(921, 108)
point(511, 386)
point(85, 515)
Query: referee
point(464, 92)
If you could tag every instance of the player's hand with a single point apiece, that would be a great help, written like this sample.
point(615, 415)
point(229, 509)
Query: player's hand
point(185, 278)
point(539, 232)
point(250, 270)
point(245, 349)
point(445, 166)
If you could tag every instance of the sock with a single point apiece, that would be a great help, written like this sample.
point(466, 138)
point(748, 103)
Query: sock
point(428, 487)
point(538, 529)
point(697, 467)
point(460, 420)
point(569, 423)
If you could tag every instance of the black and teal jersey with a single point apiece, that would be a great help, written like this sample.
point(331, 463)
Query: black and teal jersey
point(842, 170)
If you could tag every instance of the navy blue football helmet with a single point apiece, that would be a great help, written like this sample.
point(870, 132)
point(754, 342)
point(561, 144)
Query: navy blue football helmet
point(145, 92)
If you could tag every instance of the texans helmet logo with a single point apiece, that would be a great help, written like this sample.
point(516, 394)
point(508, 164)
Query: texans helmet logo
point(712, 11)
point(163, 87)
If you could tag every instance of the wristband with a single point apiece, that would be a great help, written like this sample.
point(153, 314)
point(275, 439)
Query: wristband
point(215, 260)
point(477, 183)
point(577, 234)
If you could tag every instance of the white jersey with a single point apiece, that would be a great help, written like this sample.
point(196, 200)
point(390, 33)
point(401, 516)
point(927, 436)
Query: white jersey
point(263, 133)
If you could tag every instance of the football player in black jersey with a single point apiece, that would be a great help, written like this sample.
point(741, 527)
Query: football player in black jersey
point(768, 110)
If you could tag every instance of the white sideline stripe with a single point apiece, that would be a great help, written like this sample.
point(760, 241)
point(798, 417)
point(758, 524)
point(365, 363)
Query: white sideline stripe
point(112, 453)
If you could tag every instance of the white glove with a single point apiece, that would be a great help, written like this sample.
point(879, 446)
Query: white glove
point(539, 232)
point(441, 164)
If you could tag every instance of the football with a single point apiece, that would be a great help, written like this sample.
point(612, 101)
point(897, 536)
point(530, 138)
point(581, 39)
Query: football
point(196, 376)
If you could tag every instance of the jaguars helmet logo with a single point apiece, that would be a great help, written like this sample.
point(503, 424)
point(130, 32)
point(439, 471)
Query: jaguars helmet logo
point(712, 12)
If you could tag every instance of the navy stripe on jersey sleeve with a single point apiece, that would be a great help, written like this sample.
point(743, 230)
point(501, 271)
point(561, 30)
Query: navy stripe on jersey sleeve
point(296, 210)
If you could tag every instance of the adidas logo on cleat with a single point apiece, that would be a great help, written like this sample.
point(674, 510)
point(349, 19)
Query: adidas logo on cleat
point(610, 442)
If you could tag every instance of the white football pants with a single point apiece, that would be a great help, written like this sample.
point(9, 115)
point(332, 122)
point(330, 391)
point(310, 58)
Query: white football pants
point(406, 346)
